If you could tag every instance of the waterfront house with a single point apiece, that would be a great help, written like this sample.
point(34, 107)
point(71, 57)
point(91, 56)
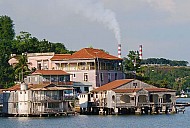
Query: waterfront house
point(131, 96)
point(46, 92)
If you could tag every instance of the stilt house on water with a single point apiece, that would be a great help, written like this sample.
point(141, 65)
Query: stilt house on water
point(46, 93)
point(130, 96)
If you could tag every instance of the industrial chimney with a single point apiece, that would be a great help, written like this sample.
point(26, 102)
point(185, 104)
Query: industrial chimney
point(119, 50)
point(140, 52)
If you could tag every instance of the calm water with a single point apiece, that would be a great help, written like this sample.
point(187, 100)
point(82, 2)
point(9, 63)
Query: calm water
point(82, 121)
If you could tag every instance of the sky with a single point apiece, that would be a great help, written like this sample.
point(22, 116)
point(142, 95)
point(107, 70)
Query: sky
point(161, 26)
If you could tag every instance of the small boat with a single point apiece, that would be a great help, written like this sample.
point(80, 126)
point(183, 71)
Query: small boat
point(181, 109)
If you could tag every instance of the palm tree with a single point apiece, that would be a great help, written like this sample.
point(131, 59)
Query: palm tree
point(21, 67)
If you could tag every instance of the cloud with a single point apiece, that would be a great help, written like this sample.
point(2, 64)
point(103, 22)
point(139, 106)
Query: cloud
point(164, 5)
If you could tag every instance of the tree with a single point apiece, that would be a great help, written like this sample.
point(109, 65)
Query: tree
point(6, 28)
point(21, 68)
point(6, 36)
point(132, 62)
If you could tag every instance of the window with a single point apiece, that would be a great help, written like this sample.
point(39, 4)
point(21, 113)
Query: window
point(39, 66)
point(135, 85)
point(115, 76)
point(109, 77)
point(29, 79)
point(53, 105)
point(78, 90)
point(85, 76)
point(74, 75)
point(36, 78)
point(15, 105)
point(54, 79)
point(102, 77)
point(45, 65)
point(46, 78)
point(86, 89)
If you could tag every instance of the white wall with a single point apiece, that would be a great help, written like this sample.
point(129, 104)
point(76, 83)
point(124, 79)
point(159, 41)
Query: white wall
point(23, 104)
point(83, 100)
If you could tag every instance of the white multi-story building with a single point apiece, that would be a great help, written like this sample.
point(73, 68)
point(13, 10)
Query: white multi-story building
point(46, 92)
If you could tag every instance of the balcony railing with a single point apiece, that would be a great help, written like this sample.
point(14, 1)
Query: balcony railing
point(58, 83)
point(125, 104)
point(52, 98)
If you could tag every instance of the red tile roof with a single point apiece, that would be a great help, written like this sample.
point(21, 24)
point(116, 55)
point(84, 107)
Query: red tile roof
point(50, 72)
point(15, 87)
point(86, 53)
point(61, 56)
point(117, 83)
point(36, 87)
point(113, 85)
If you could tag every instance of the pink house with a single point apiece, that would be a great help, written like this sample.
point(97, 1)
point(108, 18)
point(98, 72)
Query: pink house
point(40, 61)
point(89, 66)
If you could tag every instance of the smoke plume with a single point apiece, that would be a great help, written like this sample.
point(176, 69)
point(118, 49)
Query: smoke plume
point(95, 11)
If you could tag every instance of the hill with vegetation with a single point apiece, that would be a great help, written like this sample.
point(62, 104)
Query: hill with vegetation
point(158, 72)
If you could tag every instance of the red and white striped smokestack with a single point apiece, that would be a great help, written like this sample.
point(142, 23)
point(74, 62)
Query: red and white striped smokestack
point(140, 52)
point(119, 50)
